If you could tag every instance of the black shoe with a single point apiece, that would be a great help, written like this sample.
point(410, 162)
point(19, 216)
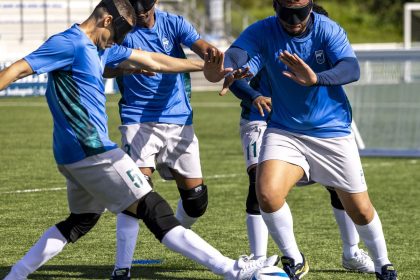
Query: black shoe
point(388, 272)
point(121, 274)
point(295, 271)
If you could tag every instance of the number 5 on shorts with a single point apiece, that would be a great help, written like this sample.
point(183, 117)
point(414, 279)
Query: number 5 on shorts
point(135, 178)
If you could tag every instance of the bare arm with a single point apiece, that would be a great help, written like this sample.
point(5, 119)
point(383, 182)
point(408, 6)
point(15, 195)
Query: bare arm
point(201, 48)
point(161, 63)
point(18, 70)
point(110, 73)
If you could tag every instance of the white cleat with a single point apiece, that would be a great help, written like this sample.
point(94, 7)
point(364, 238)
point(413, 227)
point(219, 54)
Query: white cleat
point(247, 266)
point(361, 262)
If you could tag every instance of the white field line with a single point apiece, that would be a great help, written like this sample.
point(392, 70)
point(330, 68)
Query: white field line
point(115, 104)
point(216, 176)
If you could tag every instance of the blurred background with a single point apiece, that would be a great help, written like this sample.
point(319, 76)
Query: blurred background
point(385, 35)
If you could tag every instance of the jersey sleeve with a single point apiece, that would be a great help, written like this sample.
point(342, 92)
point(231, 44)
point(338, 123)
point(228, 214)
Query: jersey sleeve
point(187, 34)
point(56, 53)
point(338, 45)
point(249, 40)
point(255, 64)
point(117, 54)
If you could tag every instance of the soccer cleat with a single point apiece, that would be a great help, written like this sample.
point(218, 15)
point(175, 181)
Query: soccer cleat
point(121, 274)
point(295, 271)
point(247, 266)
point(388, 272)
point(360, 262)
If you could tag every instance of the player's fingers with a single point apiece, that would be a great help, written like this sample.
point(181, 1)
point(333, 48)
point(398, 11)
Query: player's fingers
point(225, 88)
point(288, 74)
point(261, 110)
point(267, 107)
point(220, 57)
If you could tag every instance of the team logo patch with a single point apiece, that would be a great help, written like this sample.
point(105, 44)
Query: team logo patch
point(166, 44)
point(320, 57)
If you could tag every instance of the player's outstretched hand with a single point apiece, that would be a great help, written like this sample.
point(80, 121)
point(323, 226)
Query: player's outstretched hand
point(300, 72)
point(232, 76)
point(262, 103)
point(214, 70)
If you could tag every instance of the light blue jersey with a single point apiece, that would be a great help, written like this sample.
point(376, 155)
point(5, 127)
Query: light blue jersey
point(163, 98)
point(75, 92)
point(318, 111)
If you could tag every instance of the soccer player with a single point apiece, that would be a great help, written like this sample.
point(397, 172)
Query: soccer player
point(256, 105)
point(156, 117)
point(308, 58)
point(99, 175)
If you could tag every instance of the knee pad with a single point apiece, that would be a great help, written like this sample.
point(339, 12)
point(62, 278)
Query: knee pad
point(335, 200)
point(195, 200)
point(77, 225)
point(252, 206)
point(156, 214)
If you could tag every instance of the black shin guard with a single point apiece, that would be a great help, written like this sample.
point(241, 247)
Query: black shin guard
point(335, 200)
point(77, 225)
point(252, 206)
point(195, 200)
point(156, 214)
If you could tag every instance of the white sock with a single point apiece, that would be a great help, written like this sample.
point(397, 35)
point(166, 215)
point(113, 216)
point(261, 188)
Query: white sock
point(257, 235)
point(127, 231)
point(348, 233)
point(50, 244)
point(185, 220)
point(192, 246)
point(280, 226)
point(374, 239)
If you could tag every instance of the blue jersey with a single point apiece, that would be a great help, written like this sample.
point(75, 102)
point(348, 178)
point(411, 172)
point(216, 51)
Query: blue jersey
point(75, 92)
point(261, 84)
point(318, 111)
point(163, 98)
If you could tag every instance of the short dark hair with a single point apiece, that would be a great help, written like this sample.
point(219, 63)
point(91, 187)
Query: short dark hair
point(123, 6)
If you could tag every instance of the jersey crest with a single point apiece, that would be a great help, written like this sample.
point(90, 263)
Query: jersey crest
point(320, 57)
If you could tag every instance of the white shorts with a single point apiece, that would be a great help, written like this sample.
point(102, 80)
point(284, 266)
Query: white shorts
point(163, 146)
point(109, 180)
point(251, 137)
point(331, 162)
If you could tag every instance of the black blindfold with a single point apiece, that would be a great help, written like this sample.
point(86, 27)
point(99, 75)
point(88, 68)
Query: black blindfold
point(292, 16)
point(142, 6)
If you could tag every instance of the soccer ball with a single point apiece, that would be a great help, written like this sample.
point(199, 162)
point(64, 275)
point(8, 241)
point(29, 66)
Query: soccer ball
point(270, 273)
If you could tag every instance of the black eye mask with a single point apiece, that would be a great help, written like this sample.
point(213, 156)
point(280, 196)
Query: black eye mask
point(142, 6)
point(119, 23)
point(292, 16)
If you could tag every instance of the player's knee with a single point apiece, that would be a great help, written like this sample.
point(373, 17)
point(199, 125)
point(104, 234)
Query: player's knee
point(335, 200)
point(156, 214)
point(77, 225)
point(195, 200)
point(252, 206)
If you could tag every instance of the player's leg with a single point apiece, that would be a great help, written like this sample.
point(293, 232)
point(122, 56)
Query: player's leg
point(193, 199)
point(281, 166)
point(53, 241)
point(368, 224)
point(141, 143)
point(160, 220)
point(256, 227)
point(353, 257)
point(126, 235)
point(251, 137)
point(179, 160)
point(341, 167)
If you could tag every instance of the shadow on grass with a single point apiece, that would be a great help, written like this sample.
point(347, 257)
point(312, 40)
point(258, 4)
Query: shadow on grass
point(103, 272)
